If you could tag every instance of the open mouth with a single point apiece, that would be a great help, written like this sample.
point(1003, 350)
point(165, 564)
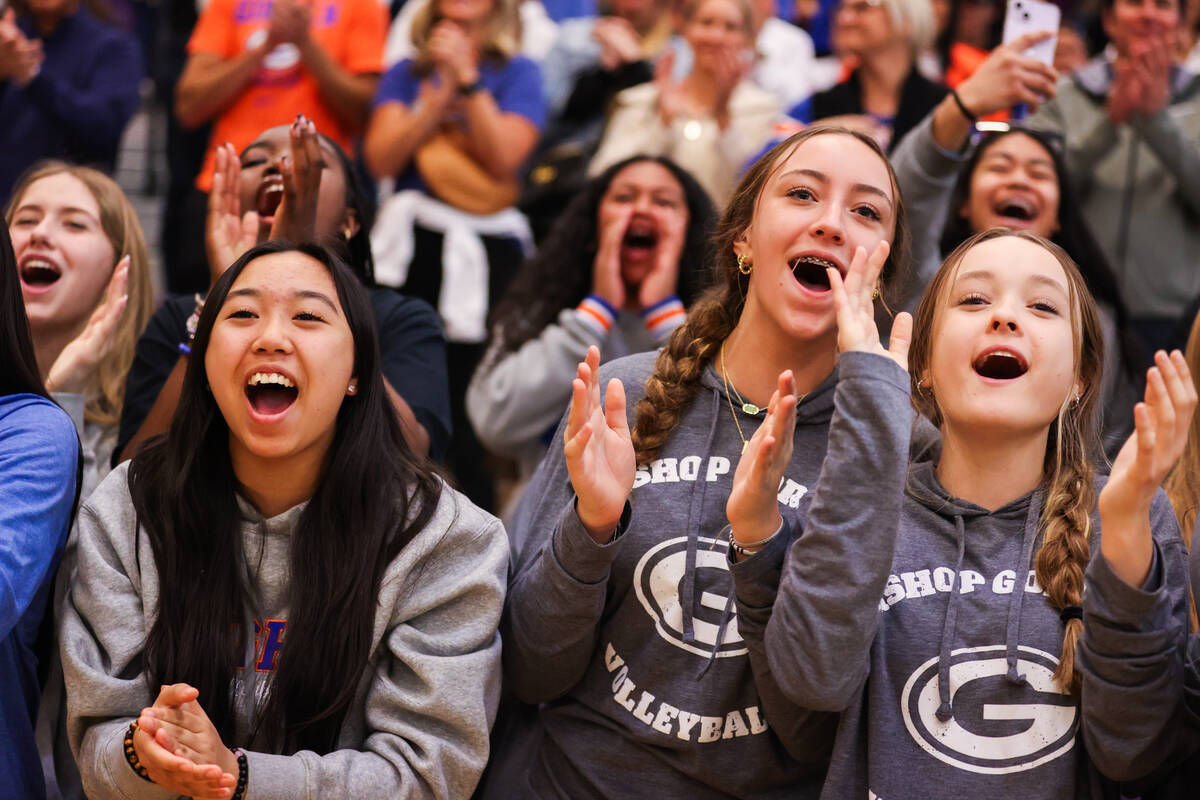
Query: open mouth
point(1018, 209)
point(270, 194)
point(39, 273)
point(1000, 365)
point(270, 393)
point(812, 272)
point(640, 239)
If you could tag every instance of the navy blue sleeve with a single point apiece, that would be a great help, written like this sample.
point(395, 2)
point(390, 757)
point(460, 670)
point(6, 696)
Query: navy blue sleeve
point(398, 85)
point(413, 359)
point(95, 113)
point(156, 355)
point(39, 458)
point(520, 91)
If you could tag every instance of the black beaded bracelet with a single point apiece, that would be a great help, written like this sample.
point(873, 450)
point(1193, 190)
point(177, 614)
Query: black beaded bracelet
point(131, 755)
point(239, 791)
point(966, 112)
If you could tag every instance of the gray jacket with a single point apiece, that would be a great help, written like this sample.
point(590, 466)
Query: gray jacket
point(418, 727)
point(1139, 185)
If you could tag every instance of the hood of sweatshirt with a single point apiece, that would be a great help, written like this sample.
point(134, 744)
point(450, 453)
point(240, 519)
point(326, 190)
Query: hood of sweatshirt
point(961, 697)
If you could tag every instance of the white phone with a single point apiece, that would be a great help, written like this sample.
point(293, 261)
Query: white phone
point(1033, 16)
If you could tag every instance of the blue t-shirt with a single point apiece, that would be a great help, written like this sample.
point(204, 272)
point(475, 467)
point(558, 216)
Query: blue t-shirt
point(39, 460)
point(515, 85)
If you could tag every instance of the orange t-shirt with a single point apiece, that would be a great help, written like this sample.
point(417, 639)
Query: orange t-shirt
point(351, 32)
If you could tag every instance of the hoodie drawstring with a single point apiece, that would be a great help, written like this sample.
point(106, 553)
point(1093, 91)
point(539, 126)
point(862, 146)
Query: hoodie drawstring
point(1013, 634)
point(945, 711)
point(687, 592)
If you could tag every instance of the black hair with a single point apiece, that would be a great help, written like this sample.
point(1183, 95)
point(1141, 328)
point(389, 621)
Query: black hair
point(373, 497)
point(356, 250)
point(559, 275)
point(1073, 234)
point(19, 372)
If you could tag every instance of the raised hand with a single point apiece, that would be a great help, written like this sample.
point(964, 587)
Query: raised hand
point(296, 217)
point(180, 749)
point(853, 300)
point(618, 42)
point(453, 50)
point(1008, 77)
point(662, 281)
point(753, 505)
point(598, 450)
point(1161, 424)
point(228, 233)
point(73, 369)
point(670, 94)
point(606, 269)
point(289, 23)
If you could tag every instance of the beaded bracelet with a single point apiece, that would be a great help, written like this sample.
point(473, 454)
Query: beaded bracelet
point(239, 791)
point(131, 753)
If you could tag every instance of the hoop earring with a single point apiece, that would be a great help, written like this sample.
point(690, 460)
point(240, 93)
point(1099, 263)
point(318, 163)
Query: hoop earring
point(744, 265)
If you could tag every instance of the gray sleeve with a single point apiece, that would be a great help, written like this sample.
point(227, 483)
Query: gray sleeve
point(827, 609)
point(102, 632)
point(1088, 133)
point(926, 174)
point(555, 604)
point(515, 399)
point(432, 697)
point(807, 735)
point(1131, 655)
point(1178, 152)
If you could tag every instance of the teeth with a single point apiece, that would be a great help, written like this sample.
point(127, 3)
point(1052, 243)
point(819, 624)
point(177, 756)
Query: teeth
point(262, 378)
point(820, 262)
point(37, 263)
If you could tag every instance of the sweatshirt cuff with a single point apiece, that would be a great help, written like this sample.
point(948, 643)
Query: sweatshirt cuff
point(275, 777)
point(1112, 601)
point(756, 578)
point(663, 317)
point(855, 364)
point(935, 161)
point(597, 313)
point(577, 552)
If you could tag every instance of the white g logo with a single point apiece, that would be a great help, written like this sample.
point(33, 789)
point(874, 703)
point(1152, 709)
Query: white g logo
point(989, 737)
point(656, 580)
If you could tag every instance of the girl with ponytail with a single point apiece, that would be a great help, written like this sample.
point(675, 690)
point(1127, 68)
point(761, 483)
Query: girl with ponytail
point(620, 621)
point(937, 604)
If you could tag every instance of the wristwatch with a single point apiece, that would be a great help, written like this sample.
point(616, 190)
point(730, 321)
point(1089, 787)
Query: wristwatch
point(471, 88)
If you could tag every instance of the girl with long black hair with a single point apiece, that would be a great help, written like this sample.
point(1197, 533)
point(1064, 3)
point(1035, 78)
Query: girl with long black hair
point(39, 471)
point(281, 574)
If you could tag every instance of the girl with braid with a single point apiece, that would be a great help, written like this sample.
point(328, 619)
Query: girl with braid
point(620, 621)
point(937, 605)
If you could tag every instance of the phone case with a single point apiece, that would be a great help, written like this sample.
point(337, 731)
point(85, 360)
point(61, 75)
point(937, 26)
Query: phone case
point(1033, 16)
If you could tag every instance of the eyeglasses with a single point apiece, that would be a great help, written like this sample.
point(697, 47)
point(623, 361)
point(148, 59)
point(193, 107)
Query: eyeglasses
point(858, 6)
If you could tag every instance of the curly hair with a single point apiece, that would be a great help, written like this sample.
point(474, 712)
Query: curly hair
point(559, 275)
point(1065, 522)
point(681, 363)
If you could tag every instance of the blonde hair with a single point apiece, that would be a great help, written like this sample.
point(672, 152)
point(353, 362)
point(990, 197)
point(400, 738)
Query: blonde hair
point(120, 223)
point(715, 314)
point(744, 6)
point(502, 32)
point(1183, 484)
point(1070, 493)
point(918, 18)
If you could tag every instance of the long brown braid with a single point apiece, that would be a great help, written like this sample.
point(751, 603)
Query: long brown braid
point(713, 317)
point(1073, 441)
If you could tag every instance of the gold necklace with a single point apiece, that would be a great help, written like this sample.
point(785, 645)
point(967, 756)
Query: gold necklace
point(747, 407)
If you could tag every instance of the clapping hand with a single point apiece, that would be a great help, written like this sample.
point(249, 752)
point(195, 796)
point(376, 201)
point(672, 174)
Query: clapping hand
point(1161, 424)
point(598, 450)
point(73, 369)
point(853, 299)
point(296, 217)
point(753, 505)
point(180, 749)
point(228, 232)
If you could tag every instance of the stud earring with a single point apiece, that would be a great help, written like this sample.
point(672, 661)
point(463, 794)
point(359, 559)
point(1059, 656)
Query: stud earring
point(875, 294)
point(351, 389)
point(743, 264)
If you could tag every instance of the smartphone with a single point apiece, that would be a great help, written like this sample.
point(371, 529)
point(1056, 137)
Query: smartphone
point(1033, 16)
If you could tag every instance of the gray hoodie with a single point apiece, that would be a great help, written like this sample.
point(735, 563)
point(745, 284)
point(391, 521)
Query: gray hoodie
point(419, 725)
point(929, 632)
point(649, 686)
